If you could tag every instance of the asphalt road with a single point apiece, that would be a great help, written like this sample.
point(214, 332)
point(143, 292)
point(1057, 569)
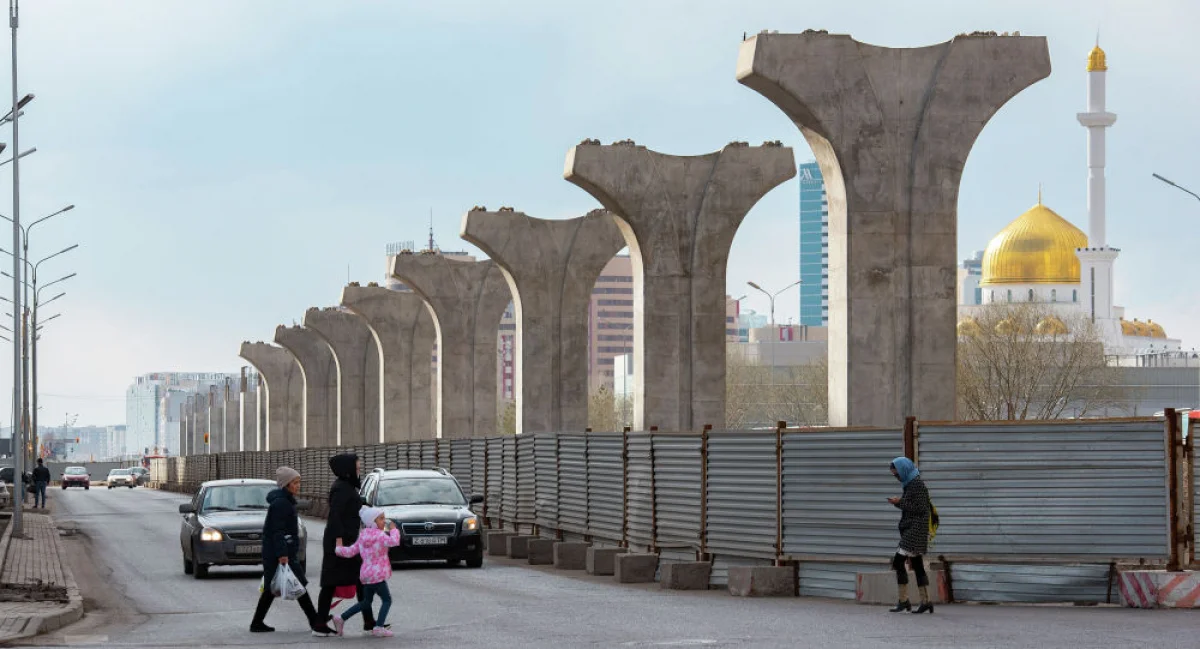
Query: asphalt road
point(127, 560)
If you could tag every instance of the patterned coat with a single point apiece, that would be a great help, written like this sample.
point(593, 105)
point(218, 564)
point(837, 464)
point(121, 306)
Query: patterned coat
point(914, 517)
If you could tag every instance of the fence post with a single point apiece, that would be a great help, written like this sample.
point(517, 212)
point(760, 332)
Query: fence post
point(625, 487)
point(1174, 444)
point(1189, 508)
point(704, 493)
point(779, 426)
point(653, 499)
point(487, 511)
point(910, 438)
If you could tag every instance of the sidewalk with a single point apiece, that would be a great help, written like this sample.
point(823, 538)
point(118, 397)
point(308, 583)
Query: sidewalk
point(41, 594)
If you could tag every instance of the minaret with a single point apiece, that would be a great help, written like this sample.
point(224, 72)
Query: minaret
point(1096, 261)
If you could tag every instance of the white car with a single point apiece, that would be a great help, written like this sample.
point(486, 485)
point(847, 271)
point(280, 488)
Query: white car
point(121, 478)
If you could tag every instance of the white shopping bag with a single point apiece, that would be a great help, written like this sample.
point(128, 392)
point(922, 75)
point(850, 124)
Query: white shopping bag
point(286, 585)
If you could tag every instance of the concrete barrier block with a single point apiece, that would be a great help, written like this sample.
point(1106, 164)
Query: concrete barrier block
point(880, 587)
point(570, 555)
point(762, 581)
point(518, 546)
point(600, 561)
point(635, 568)
point(689, 575)
point(540, 552)
point(497, 543)
point(1159, 589)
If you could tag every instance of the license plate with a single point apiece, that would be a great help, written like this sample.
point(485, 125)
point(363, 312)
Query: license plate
point(249, 549)
point(429, 540)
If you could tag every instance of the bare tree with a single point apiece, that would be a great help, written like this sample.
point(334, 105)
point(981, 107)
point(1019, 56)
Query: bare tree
point(798, 394)
point(604, 411)
point(507, 422)
point(1025, 362)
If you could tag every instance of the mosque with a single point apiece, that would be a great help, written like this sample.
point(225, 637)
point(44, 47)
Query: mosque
point(1042, 258)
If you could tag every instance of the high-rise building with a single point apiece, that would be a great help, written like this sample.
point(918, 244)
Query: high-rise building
point(814, 247)
point(610, 320)
point(970, 273)
point(152, 408)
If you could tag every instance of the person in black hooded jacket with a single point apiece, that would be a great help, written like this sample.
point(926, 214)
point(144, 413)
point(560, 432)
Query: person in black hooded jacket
point(343, 523)
point(281, 545)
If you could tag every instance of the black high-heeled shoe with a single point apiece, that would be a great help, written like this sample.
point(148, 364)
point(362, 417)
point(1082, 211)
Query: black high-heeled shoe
point(901, 607)
point(925, 607)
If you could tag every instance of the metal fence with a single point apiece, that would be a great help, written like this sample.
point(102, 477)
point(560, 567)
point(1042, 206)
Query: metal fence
point(1030, 511)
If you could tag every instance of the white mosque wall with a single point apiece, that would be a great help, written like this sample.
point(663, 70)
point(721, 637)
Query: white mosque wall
point(1037, 293)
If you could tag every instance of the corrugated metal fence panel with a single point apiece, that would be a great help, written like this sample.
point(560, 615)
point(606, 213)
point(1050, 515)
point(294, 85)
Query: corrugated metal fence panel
point(526, 480)
point(742, 493)
point(605, 486)
point(479, 474)
point(428, 454)
point(640, 497)
point(460, 464)
point(677, 490)
point(509, 485)
point(835, 490)
point(1086, 489)
point(573, 483)
point(836, 580)
point(494, 496)
point(1031, 584)
point(444, 454)
point(545, 451)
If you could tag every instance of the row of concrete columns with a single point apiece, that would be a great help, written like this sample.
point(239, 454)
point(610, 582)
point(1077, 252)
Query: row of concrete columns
point(891, 130)
point(231, 416)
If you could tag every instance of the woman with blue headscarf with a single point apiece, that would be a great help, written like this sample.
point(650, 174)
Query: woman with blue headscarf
point(914, 509)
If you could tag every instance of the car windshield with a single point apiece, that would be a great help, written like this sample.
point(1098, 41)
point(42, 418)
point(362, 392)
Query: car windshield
point(236, 497)
point(119, 472)
point(419, 491)
point(76, 470)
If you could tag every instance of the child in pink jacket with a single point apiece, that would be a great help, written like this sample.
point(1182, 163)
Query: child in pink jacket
point(377, 536)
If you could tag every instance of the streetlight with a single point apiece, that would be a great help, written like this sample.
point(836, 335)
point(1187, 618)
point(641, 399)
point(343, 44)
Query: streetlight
point(774, 333)
point(18, 360)
point(1179, 187)
point(27, 152)
point(8, 117)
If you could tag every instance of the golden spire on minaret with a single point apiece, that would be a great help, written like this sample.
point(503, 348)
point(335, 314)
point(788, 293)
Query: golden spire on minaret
point(1096, 60)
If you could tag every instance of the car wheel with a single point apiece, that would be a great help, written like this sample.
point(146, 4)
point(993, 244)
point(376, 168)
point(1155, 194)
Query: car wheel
point(110, 486)
point(87, 487)
point(64, 487)
point(188, 566)
point(200, 570)
point(453, 562)
point(475, 562)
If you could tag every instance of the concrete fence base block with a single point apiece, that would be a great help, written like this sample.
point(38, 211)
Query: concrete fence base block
point(635, 568)
point(570, 555)
point(762, 581)
point(600, 561)
point(518, 546)
point(1159, 589)
point(497, 543)
point(540, 552)
point(880, 587)
point(689, 575)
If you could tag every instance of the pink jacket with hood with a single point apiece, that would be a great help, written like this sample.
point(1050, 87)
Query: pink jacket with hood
point(372, 545)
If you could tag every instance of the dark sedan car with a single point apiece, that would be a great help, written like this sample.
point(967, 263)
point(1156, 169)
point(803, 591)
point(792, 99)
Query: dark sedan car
point(432, 513)
point(223, 524)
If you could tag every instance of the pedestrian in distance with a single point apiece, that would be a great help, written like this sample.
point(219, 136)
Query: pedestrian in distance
point(342, 526)
point(41, 479)
point(378, 534)
point(915, 508)
point(281, 545)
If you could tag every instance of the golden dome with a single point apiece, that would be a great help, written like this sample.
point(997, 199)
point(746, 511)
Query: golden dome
point(1051, 326)
point(1096, 60)
point(1037, 248)
point(1141, 328)
point(1156, 330)
point(1127, 328)
point(968, 326)
point(1007, 326)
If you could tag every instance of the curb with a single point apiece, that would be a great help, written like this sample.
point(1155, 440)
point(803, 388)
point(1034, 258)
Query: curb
point(69, 614)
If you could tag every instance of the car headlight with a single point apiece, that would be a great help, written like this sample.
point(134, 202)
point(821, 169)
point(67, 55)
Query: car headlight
point(470, 524)
point(209, 534)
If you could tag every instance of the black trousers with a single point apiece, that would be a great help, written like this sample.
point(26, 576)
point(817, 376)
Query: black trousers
point(325, 601)
point(918, 564)
point(264, 605)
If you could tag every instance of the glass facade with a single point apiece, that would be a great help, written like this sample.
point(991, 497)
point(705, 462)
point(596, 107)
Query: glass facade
point(814, 247)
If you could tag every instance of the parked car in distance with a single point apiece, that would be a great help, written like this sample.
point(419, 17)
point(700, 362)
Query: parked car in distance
point(121, 478)
point(6, 475)
point(143, 474)
point(433, 515)
point(76, 476)
point(223, 525)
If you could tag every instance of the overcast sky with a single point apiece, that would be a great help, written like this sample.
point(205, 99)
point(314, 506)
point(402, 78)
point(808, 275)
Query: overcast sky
point(232, 161)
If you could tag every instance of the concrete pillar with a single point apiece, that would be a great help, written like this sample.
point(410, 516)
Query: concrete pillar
point(551, 268)
point(316, 361)
point(283, 396)
point(468, 299)
point(203, 406)
point(405, 333)
point(891, 130)
point(679, 215)
point(354, 350)
point(185, 427)
point(231, 413)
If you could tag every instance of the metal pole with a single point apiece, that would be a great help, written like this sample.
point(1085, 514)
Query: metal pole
point(33, 332)
point(1179, 187)
point(18, 436)
point(25, 345)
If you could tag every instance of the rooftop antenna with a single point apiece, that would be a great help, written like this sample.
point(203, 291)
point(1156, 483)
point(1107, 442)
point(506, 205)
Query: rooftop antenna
point(431, 248)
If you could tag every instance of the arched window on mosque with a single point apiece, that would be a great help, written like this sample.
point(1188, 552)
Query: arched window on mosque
point(993, 297)
point(1053, 295)
point(1030, 295)
point(1074, 295)
point(1010, 295)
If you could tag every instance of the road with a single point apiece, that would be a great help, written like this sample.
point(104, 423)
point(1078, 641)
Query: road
point(127, 561)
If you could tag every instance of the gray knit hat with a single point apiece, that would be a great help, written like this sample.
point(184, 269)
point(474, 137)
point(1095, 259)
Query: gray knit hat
point(284, 476)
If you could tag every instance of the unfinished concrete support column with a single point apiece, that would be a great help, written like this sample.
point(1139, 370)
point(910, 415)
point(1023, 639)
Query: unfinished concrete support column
point(185, 426)
point(321, 421)
point(355, 353)
point(231, 417)
point(551, 268)
point(679, 215)
point(468, 299)
point(891, 130)
point(284, 395)
point(405, 333)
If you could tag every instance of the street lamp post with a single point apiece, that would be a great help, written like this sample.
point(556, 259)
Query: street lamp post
point(774, 333)
point(1176, 186)
point(18, 438)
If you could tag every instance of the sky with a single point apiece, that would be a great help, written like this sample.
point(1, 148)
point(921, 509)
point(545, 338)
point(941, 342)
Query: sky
point(234, 162)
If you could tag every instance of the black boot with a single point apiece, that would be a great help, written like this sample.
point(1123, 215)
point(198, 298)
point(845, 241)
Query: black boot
point(258, 624)
point(259, 627)
point(901, 607)
point(925, 607)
